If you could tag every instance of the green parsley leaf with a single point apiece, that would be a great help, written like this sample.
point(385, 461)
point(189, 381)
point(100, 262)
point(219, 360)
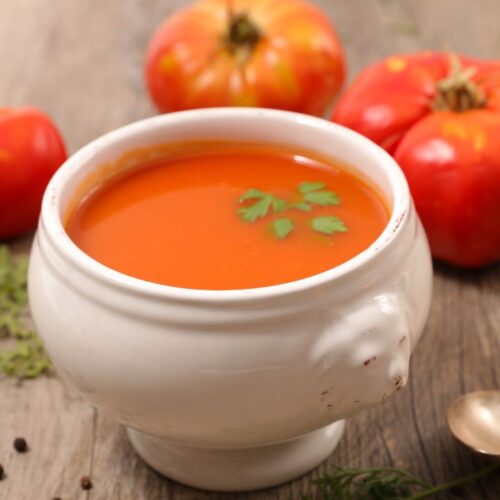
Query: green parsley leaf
point(303, 206)
point(307, 187)
point(328, 224)
point(282, 227)
point(253, 193)
point(256, 211)
point(279, 205)
point(260, 208)
point(322, 198)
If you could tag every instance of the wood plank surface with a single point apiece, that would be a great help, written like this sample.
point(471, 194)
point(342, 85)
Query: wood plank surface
point(81, 61)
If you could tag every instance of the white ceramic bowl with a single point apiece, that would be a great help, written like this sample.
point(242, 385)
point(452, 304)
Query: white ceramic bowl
point(241, 389)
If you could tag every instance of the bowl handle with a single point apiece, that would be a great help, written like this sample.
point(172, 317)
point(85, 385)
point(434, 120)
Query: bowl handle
point(368, 348)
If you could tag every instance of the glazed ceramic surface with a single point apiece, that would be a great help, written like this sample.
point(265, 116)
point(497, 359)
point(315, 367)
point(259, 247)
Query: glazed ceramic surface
point(234, 389)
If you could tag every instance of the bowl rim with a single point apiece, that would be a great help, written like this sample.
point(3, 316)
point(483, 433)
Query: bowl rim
point(51, 223)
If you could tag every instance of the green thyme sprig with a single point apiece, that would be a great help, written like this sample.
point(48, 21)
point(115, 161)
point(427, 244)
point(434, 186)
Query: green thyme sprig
point(366, 484)
point(385, 483)
point(311, 194)
point(27, 357)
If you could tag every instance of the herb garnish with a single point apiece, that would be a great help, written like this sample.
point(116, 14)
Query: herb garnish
point(282, 227)
point(311, 194)
point(308, 187)
point(328, 224)
point(303, 206)
point(27, 358)
point(385, 483)
point(261, 207)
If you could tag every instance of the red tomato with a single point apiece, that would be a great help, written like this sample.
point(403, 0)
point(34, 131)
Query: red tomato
point(439, 116)
point(271, 53)
point(31, 150)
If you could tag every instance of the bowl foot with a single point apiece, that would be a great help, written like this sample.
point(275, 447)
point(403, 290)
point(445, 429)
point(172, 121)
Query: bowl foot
point(237, 469)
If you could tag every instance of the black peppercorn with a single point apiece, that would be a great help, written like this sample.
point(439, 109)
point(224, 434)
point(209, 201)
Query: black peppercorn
point(2, 472)
point(20, 445)
point(85, 483)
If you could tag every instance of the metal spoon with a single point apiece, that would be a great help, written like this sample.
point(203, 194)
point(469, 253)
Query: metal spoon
point(474, 419)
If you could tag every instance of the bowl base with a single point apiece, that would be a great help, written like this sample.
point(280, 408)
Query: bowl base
point(237, 469)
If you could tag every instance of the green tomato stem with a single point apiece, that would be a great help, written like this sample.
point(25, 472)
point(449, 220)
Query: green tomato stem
point(458, 92)
point(242, 32)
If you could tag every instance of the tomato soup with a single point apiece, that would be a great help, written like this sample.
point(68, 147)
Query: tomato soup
point(228, 216)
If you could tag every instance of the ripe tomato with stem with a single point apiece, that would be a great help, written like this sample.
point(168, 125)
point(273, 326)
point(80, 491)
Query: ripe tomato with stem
point(269, 53)
point(439, 116)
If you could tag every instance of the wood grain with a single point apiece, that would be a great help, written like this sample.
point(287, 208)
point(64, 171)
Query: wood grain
point(81, 61)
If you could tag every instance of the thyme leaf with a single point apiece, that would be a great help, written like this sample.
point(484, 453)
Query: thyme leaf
point(21, 351)
point(384, 483)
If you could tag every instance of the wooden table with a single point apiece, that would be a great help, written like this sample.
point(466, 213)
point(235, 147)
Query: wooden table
point(81, 61)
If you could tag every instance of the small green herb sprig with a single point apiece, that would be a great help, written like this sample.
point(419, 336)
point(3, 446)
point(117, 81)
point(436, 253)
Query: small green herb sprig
point(311, 194)
point(385, 483)
point(26, 358)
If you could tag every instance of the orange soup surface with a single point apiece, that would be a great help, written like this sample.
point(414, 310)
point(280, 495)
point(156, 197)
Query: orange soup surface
point(228, 216)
